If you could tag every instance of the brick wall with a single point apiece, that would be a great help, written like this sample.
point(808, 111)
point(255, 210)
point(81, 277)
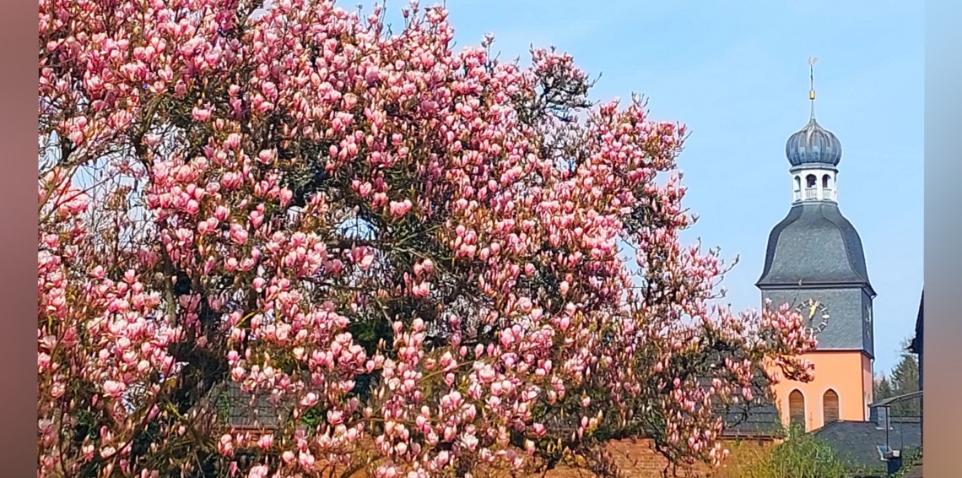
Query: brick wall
point(636, 459)
point(633, 458)
point(639, 459)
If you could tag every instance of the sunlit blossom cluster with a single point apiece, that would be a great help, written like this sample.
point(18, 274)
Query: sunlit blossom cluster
point(431, 261)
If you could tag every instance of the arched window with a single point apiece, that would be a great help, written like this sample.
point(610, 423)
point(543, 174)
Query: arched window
point(825, 180)
point(811, 187)
point(830, 406)
point(796, 409)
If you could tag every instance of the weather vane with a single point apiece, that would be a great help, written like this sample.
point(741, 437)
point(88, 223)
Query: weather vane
point(811, 79)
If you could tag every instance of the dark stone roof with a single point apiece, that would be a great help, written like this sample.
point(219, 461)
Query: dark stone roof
point(814, 245)
point(813, 145)
point(916, 395)
point(239, 409)
point(242, 410)
point(916, 345)
point(757, 420)
point(857, 442)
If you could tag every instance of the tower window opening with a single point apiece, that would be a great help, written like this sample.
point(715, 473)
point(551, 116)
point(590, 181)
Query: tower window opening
point(830, 406)
point(811, 187)
point(796, 409)
point(826, 187)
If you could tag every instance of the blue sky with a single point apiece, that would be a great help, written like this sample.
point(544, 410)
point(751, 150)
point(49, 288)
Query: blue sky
point(736, 73)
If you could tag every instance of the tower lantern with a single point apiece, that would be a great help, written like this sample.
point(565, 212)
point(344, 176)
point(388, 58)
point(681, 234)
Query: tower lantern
point(814, 153)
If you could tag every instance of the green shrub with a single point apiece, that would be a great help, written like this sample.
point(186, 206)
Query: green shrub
point(800, 456)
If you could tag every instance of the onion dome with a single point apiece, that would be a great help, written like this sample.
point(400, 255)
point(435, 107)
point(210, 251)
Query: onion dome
point(813, 145)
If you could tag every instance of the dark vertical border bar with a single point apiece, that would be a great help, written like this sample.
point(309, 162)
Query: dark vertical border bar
point(18, 234)
point(943, 243)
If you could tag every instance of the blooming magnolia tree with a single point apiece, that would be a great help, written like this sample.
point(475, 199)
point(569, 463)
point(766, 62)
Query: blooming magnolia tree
point(431, 262)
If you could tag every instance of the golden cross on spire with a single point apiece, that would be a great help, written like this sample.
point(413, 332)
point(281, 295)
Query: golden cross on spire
point(811, 81)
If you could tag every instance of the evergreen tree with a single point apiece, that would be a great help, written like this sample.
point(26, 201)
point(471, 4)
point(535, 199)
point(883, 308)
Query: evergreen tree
point(903, 379)
point(883, 388)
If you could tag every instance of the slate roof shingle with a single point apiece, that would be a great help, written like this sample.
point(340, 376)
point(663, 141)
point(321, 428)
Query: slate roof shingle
point(815, 243)
point(858, 442)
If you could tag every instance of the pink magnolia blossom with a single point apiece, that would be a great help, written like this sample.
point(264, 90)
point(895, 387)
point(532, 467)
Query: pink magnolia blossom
point(400, 208)
point(413, 254)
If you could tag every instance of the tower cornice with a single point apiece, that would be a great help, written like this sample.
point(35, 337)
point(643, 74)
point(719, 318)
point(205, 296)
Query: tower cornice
point(809, 285)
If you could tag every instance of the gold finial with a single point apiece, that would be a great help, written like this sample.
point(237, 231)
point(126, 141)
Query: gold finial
point(811, 81)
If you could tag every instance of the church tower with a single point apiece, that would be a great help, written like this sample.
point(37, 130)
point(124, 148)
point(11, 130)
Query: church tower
point(815, 263)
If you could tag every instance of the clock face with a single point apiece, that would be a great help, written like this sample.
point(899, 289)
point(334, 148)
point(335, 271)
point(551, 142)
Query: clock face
point(814, 313)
